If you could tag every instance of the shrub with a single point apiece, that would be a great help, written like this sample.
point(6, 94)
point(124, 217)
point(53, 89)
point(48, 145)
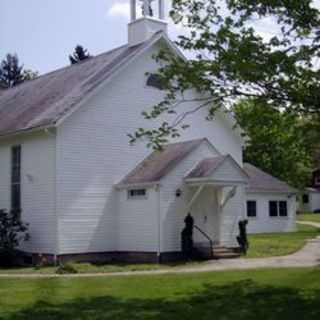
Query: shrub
point(242, 237)
point(12, 232)
point(66, 269)
point(187, 237)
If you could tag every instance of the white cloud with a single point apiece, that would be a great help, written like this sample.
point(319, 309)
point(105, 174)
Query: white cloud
point(119, 10)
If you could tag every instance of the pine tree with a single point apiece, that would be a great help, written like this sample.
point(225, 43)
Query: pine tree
point(80, 54)
point(11, 73)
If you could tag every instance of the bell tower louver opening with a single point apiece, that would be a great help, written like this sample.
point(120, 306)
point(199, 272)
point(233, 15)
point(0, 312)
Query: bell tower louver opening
point(150, 21)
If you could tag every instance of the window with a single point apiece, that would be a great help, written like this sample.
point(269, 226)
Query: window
point(251, 209)
point(317, 181)
point(278, 209)
point(273, 208)
point(137, 193)
point(305, 198)
point(16, 178)
point(154, 81)
point(283, 210)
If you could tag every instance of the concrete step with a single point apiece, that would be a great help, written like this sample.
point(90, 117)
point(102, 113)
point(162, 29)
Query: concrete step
point(226, 255)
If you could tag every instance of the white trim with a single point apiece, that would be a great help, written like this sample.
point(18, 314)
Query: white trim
point(288, 193)
point(25, 131)
point(136, 185)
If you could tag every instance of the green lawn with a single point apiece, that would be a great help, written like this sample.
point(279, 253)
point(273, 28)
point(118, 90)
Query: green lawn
point(315, 217)
point(103, 268)
point(242, 295)
point(277, 244)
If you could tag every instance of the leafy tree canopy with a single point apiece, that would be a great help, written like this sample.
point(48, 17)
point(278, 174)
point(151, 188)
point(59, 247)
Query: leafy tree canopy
point(234, 61)
point(279, 142)
point(80, 54)
point(12, 73)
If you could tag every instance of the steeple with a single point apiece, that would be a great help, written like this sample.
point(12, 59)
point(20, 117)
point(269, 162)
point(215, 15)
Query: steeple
point(152, 20)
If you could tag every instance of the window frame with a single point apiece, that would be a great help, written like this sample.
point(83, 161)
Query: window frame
point(137, 196)
point(279, 214)
point(15, 179)
point(305, 198)
point(255, 209)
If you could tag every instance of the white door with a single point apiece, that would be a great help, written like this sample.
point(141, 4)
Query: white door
point(206, 217)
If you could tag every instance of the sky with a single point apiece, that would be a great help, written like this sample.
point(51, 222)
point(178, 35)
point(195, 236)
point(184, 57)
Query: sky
point(44, 32)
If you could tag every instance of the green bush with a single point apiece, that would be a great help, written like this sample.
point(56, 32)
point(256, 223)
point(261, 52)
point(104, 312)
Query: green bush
point(66, 269)
point(12, 232)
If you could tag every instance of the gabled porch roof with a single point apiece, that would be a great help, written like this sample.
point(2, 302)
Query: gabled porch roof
point(219, 171)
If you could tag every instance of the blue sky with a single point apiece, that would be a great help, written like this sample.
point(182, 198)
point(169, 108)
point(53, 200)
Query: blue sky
point(44, 32)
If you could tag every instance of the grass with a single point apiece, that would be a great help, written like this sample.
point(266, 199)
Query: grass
point(315, 217)
point(259, 294)
point(278, 244)
point(261, 245)
point(84, 268)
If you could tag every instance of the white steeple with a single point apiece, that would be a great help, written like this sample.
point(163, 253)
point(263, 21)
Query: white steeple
point(142, 29)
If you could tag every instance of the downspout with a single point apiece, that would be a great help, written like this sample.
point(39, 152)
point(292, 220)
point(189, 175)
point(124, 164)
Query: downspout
point(159, 224)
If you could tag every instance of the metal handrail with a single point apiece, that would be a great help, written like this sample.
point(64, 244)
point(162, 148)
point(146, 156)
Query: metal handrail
point(207, 237)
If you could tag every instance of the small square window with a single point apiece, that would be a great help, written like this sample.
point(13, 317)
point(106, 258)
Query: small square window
point(305, 198)
point(137, 193)
point(251, 208)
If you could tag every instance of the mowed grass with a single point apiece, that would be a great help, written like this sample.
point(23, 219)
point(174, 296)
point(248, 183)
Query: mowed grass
point(278, 244)
point(314, 217)
point(85, 268)
point(242, 295)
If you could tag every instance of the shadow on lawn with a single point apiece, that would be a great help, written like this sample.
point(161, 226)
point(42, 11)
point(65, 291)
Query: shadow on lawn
point(240, 300)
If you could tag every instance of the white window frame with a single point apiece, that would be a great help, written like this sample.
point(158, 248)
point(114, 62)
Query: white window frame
point(278, 216)
point(252, 217)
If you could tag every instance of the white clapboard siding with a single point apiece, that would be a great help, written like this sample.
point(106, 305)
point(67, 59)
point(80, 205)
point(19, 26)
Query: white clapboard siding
point(138, 222)
point(93, 154)
point(232, 213)
point(227, 172)
point(265, 224)
point(174, 209)
point(37, 187)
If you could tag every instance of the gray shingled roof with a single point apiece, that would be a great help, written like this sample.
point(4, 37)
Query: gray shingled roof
point(205, 167)
point(159, 163)
point(262, 181)
point(43, 101)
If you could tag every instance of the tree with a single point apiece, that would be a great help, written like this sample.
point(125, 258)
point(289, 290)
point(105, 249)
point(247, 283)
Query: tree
point(233, 61)
point(279, 144)
point(80, 54)
point(12, 73)
point(12, 232)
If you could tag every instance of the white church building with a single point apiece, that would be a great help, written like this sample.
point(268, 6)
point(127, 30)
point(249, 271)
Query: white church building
point(66, 162)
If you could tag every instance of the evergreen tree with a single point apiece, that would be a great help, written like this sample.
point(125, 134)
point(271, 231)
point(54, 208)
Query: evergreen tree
point(11, 72)
point(80, 54)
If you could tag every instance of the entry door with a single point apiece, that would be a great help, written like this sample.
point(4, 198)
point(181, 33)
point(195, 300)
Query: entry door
point(205, 213)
